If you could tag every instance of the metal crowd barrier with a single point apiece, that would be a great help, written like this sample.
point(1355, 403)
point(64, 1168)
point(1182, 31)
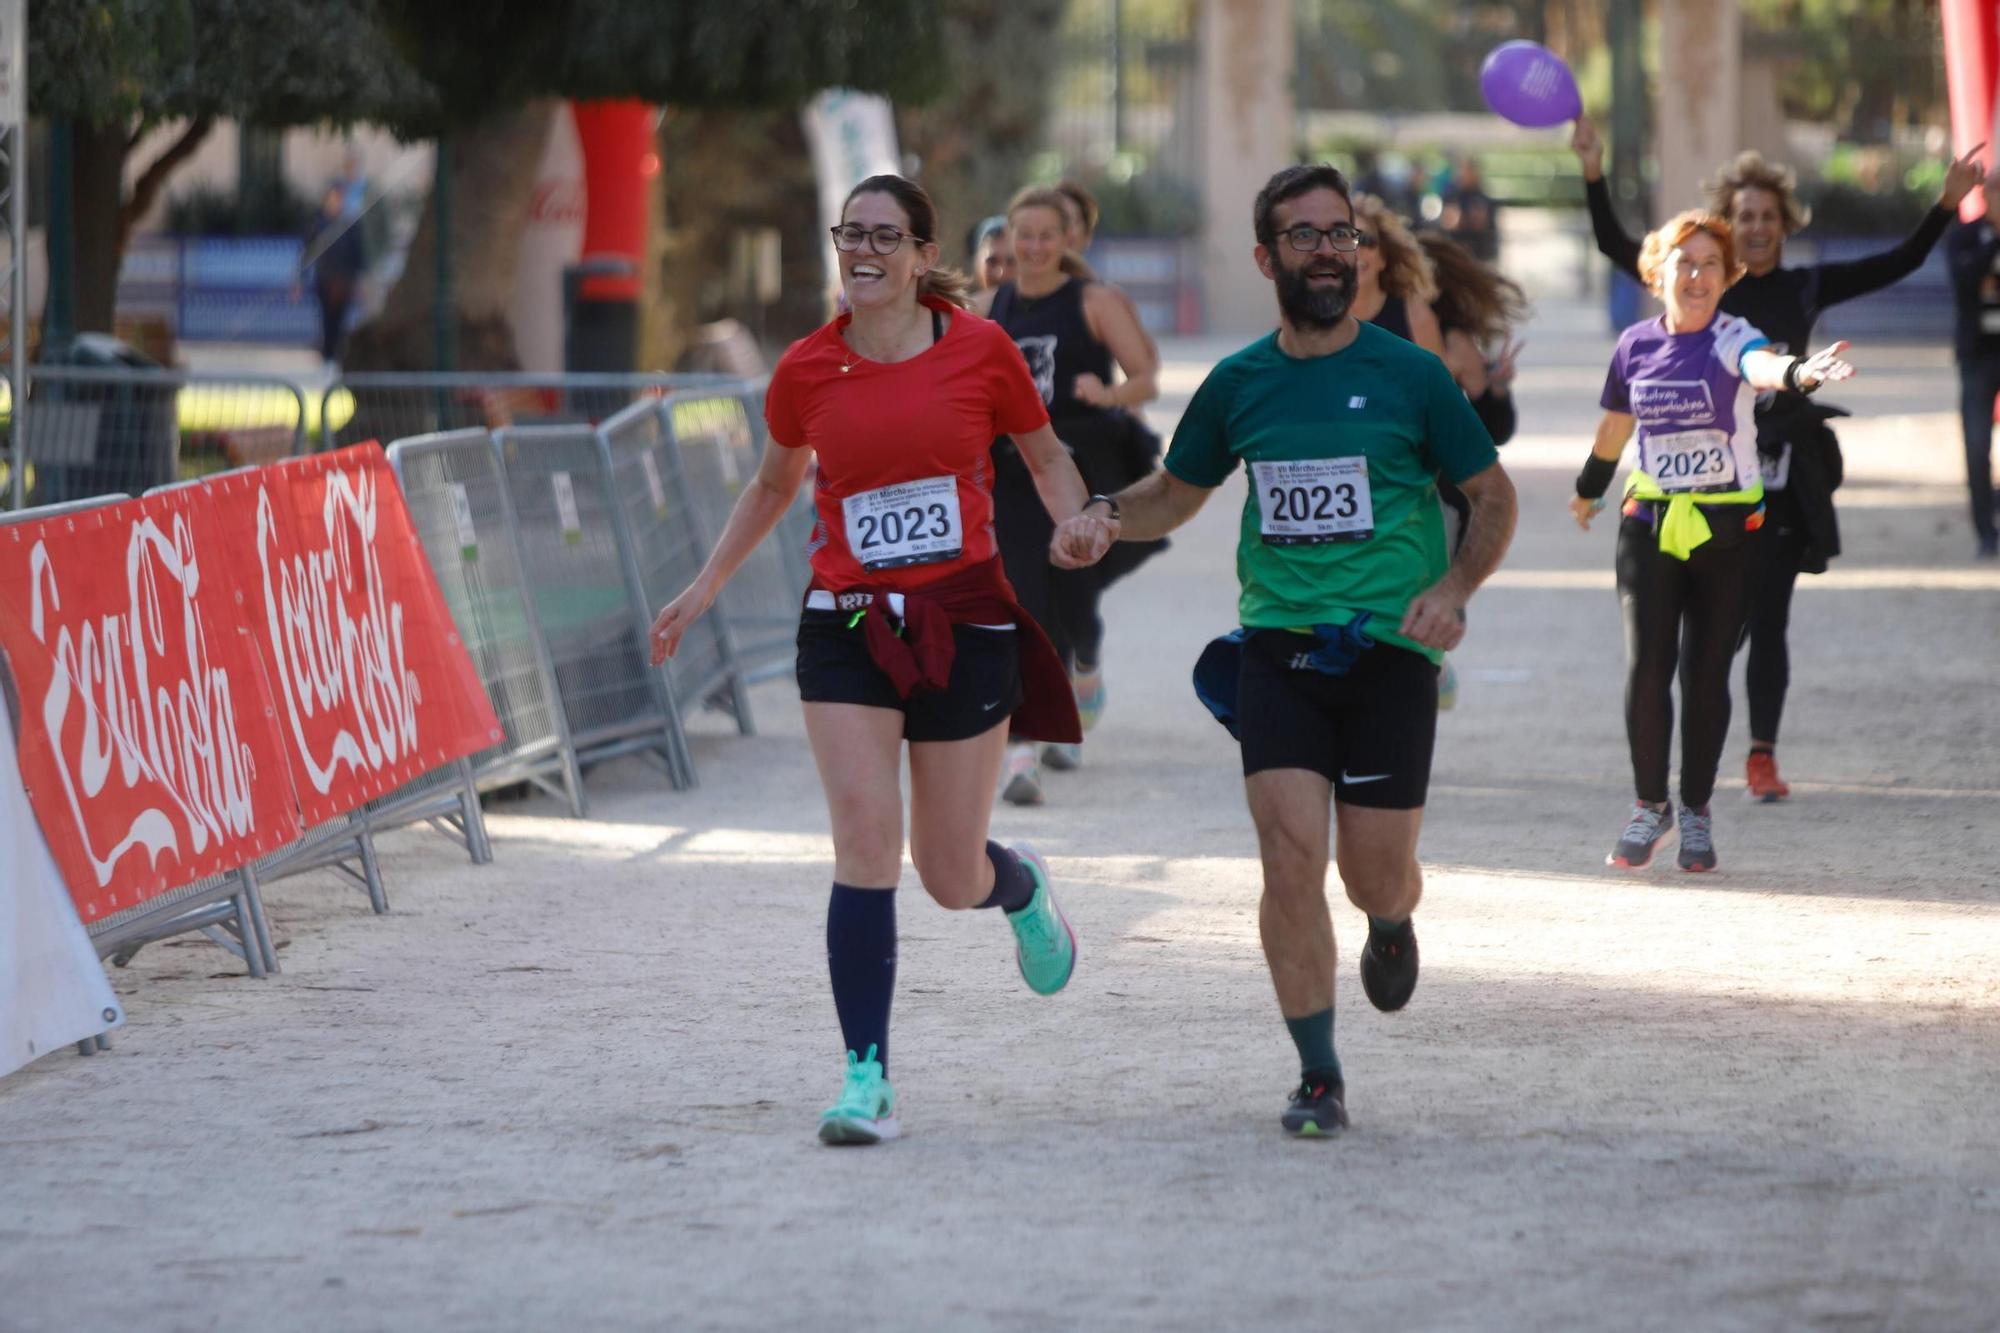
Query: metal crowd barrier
point(227, 908)
point(395, 406)
point(459, 505)
point(666, 537)
point(720, 439)
point(92, 431)
point(592, 614)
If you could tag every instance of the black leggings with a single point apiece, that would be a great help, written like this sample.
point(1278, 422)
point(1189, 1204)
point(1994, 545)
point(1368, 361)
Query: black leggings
point(1062, 601)
point(1780, 550)
point(1685, 614)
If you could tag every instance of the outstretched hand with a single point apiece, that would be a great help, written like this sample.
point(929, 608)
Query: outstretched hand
point(1825, 367)
point(1082, 540)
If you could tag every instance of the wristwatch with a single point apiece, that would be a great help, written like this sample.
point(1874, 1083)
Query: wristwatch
point(1109, 503)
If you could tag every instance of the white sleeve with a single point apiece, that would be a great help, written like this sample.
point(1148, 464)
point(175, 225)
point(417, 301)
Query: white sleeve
point(1736, 338)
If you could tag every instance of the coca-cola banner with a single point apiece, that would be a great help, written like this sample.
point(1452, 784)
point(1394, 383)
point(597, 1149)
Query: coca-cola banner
point(149, 743)
point(372, 685)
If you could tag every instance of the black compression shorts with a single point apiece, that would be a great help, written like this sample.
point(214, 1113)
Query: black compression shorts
point(834, 667)
point(1369, 732)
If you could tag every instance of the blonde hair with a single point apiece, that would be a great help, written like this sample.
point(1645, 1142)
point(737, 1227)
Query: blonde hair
point(1751, 172)
point(1675, 233)
point(1406, 269)
point(1063, 206)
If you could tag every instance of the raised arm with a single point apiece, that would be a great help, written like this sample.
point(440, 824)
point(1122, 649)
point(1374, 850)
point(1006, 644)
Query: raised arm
point(1613, 242)
point(1857, 277)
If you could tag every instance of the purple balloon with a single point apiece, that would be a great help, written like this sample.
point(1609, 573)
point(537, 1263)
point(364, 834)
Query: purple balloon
point(1530, 85)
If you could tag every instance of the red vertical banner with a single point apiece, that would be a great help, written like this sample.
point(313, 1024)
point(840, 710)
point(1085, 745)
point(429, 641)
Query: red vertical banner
point(620, 163)
point(371, 684)
point(1972, 70)
point(149, 744)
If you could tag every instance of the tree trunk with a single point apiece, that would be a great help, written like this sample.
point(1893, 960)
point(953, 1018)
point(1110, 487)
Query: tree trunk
point(97, 164)
point(493, 169)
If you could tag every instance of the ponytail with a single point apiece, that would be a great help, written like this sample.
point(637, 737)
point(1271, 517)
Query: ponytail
point(946, 284)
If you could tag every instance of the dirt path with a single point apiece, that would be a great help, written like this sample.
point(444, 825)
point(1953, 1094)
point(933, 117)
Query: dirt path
point(577, 1087)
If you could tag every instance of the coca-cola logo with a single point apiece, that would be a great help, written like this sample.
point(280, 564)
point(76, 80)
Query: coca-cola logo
point(557, 203)
point(335, 637)
point(136, 699)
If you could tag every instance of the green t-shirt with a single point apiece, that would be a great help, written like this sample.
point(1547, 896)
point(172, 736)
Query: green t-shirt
point(1322, 540)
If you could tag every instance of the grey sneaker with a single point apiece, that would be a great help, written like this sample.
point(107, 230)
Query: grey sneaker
point(1645, 833)
point(1697, 840)
point(1063, 758)
point(1024, 777)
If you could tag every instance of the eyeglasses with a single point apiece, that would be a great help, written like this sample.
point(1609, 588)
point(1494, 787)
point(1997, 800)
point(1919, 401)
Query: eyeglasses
point(882, 240)
point(1346, 239)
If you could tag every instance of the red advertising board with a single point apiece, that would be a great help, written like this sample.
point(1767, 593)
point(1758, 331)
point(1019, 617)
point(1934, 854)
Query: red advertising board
point(205, 673)
point(149, 743)
point(371, 683)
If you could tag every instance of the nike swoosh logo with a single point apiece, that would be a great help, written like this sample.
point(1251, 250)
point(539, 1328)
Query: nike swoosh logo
point(1351, 780)
point(987, 708)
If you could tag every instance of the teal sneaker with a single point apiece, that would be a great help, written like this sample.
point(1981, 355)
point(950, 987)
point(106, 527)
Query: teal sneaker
point(1089, 698)
point(1447, 687)
point(1045, 946)
point(866, 1109)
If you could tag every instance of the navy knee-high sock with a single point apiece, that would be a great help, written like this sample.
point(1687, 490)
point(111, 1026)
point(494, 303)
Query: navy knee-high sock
point(1013, 882)
point(861, 958)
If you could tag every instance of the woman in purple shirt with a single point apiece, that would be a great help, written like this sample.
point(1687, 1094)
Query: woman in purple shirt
point(1686, 383)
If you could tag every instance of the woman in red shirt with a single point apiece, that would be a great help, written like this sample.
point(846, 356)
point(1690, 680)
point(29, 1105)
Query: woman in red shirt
point(910, 632)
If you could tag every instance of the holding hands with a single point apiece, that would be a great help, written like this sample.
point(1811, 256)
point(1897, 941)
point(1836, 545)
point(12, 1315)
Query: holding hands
point(1082, 539)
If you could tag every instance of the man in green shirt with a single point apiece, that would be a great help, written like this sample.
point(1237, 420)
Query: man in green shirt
point(1350, 599)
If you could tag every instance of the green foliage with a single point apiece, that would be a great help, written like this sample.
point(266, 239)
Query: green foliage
point(1864, 66)
point(419, 65)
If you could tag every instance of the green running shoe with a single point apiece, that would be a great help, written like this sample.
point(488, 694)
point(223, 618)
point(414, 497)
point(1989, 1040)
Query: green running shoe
point(866, 1109)
point(1045, 946)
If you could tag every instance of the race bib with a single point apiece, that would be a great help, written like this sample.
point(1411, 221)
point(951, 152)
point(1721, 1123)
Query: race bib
point(1692, 460)
point(1777, 471)
point(914, 523)
point(1312, 501)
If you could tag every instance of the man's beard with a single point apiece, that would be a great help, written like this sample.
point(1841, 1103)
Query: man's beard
point(1306, 306)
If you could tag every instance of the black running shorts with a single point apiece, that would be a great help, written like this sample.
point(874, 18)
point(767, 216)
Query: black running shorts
point(834, 668)
point(1369, 732)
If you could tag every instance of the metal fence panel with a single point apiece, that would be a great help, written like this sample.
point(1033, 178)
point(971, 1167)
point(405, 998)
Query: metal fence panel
point(459, 507)
point(667, 538)
point(591, 615)
point(90, 431)
point(719, 436)
point(393, 406)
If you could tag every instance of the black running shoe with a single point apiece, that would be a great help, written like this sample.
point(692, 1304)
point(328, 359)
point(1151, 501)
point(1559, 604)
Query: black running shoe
point(1318, 1109)
point(1389, 970)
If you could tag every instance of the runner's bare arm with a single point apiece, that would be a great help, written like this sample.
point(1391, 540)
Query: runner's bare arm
point(1080, 538)
point(1613, 432)
point(763, 503)
point(1424, 330)
point(1154, 506)
point(1437, 616)
point(1114, 323)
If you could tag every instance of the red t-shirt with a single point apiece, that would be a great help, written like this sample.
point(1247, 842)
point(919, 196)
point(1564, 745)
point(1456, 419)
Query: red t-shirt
point(905, 488)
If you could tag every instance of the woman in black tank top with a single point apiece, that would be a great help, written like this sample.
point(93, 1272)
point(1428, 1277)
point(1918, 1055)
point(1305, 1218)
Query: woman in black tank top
point(1070, 330)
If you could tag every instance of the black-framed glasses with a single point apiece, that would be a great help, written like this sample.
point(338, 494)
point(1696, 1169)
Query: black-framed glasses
point(848, 237)
point(1346, 239)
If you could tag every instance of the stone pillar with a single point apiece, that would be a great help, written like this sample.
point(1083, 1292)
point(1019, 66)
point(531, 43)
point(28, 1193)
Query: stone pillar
point(1248, 126)
point(1698, 113)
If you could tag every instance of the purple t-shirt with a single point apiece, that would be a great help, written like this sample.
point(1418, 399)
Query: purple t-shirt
point(1696, 429)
